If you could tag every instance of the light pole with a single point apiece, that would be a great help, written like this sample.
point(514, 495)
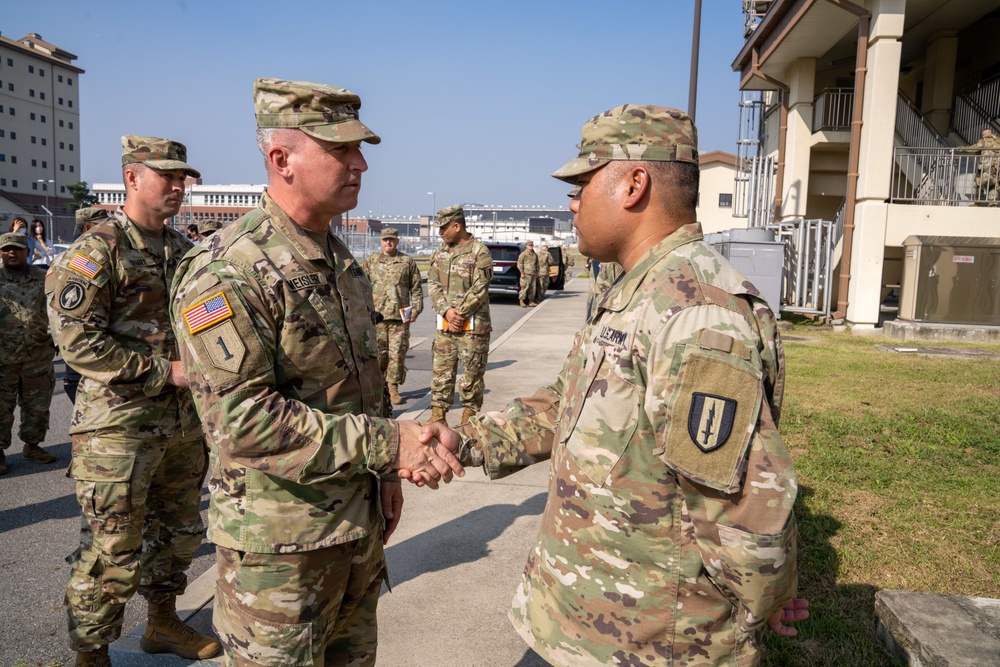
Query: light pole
point(434, 204)
point(45, 187)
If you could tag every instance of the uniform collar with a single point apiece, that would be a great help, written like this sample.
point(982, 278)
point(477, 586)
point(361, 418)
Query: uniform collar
point(297, 236)
point(135, 236)
point(13, 276)
point(621, 294)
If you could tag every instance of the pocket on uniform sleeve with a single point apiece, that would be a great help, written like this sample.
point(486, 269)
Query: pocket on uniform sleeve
point(713, 415)
point(259, 640)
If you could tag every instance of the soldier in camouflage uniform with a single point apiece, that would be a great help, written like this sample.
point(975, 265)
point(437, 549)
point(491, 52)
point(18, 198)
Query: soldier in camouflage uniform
point(395, 281)
point(275, 322)
point(602, 276)
point(459, 281)
point(668, 537)
point(208, 227)
point(139, 455)
point(26, 351)
point(987, 179)
point(527, 265)
point(85, 219)
point(544, 262)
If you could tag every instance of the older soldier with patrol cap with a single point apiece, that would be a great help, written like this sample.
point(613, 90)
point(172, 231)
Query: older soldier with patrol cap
point(668, 537)
point(459, 282)
point(527, 267)
point(396, 287)
point(26, 351)
point(139, 456)
point(276, 325)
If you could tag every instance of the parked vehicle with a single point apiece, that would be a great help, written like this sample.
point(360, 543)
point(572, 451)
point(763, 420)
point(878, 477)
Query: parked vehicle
point(506, 277)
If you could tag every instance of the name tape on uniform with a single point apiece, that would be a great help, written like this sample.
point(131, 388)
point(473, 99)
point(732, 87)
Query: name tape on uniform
point(205, 313)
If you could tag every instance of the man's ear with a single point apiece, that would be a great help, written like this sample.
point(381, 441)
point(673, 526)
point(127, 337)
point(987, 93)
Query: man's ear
point(637, 186)
point(278, 157)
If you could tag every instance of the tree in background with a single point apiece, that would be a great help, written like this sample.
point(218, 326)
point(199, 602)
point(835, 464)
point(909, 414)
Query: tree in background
point(82, 196)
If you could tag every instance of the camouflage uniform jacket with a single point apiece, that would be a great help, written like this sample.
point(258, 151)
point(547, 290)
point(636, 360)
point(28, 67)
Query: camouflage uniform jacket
point(544, 262)
point(107, 303)
point(668, 536)
point(988, 146)
point(23, 321)
point(395, 284)
point(459, 277)
point(278, 344)
point(527, 263)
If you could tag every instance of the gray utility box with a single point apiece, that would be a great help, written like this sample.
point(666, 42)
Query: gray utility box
point(951, 279)
point(758, 257)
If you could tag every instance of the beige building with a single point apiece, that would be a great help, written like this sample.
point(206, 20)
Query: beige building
point(39, 122)
point(858, 113)
point(715, 192)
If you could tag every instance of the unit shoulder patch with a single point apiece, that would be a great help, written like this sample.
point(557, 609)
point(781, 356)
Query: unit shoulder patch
point(224, 347)
point(71, 296)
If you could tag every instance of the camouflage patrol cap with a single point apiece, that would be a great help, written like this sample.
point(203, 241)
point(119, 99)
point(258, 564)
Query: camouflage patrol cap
point(325, 112)
point(628, 132)
point(12, 239)
point(207, 227)
point(574, 192)
point(451, 214)
point(91, 215)
point(156, 153)
point(390, 233)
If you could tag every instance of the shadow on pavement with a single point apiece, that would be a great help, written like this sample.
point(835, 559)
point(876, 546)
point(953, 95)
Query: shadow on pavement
point(19, 467)
point(63, 507)
point(462, 540)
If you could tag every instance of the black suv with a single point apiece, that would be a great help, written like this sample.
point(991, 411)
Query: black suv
point(506, 277)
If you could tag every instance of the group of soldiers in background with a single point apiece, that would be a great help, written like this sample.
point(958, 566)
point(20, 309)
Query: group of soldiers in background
point(534, 271)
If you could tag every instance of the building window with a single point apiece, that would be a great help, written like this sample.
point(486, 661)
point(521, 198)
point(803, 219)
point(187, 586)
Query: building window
point(60, 78)
point(62, 167)
point(10, 87)
point(31, 69)
point(44, 141)
point(62, 144)
point(31, 92)
point(32, 115)
point(41, 72)
point(71, 125)
point(61, 123)
point(70, 103)
point(34, 162)
point(34, 186)
point(12, 111)
point(34, 140)
point(725, 200)
point(1, 134)
point(3, 158)
point(69, 80)
point(10, 62)
point(13, 183)
point(41, 95)
point(3, 182)
point(60, 100)
point(13, 159)
point(71, 146)
point(43, 119)
point(71, 169)
point(45, 165)
point(13, 135)
point(62, 188)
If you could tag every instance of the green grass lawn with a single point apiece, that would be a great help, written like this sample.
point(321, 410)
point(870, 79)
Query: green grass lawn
point(897, 458)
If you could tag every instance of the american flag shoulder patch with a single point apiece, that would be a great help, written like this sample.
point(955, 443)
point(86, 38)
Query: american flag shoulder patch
point(205, 313)
point(83, 264)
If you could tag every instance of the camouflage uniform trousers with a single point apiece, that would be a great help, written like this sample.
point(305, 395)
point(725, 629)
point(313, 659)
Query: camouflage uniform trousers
point(529, 287)
point(543, 284)
point(450, 348)
point(987, 181)
point(141, 500)
point(393, 343)
point(307, 608)
point(29, 385)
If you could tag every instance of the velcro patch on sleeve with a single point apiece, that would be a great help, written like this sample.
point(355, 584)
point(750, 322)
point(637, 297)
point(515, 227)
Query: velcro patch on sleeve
point(207, 312)
point(83, 264)
point(713, 416)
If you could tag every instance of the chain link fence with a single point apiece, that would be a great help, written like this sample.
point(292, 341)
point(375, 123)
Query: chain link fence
point(362, 244)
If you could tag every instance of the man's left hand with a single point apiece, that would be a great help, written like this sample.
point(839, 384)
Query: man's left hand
point(795, 610)
point(392, 506)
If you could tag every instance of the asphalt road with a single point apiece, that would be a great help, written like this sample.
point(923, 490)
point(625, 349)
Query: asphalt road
point(39, 518)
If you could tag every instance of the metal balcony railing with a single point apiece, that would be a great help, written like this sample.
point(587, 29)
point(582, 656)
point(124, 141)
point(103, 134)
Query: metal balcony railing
point(977, 110)
point(911, 127)
point(944, 177)
point(832, 109)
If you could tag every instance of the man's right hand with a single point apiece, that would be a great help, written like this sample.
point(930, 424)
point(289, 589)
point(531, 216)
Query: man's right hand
point(176, 376)
point(455, 320)
point(432, 461)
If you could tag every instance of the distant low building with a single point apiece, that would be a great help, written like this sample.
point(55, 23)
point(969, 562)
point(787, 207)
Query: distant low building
point(225, 203)
point(715, 198)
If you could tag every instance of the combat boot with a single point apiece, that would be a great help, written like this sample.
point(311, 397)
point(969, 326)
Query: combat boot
point(165, 632)
point(3, 463)
point(523, 304)
point(438, 415)
point(35, 453)
point(394, 396)
point(467, 414)
point(532, 304)
point(98, 658)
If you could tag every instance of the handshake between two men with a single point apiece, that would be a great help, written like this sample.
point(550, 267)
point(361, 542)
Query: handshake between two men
point(428, 454)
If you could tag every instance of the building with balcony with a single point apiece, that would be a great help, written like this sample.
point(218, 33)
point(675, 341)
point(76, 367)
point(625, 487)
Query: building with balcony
point(855, 122)
point(39, 123)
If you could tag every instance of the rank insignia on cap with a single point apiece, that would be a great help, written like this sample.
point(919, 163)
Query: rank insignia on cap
point(710, 421)
point(85, 265)
point(205, 313)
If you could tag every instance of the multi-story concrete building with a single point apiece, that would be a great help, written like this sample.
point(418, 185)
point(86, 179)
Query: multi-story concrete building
point(39, 122)
point(856, 120)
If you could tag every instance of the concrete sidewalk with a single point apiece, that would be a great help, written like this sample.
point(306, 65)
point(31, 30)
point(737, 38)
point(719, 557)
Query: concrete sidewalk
point(458, 553)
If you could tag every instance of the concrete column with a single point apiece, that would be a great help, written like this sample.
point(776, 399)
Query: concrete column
point(875, 164)
point(939, 80)
point(801, 79)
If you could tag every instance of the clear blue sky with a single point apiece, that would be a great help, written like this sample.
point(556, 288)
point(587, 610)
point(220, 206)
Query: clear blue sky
point(475, 101)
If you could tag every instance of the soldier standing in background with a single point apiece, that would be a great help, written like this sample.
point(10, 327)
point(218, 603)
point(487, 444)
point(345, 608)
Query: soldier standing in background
point(208, 227)
point(668, 537)
point(139, 456)
point(602, 276)
point(544, 262)
point(26, 351)
point(275, 320)
point(987, 179)
point(459, 282)
point(396, 286)
point(527, 265)
point(86, 218)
